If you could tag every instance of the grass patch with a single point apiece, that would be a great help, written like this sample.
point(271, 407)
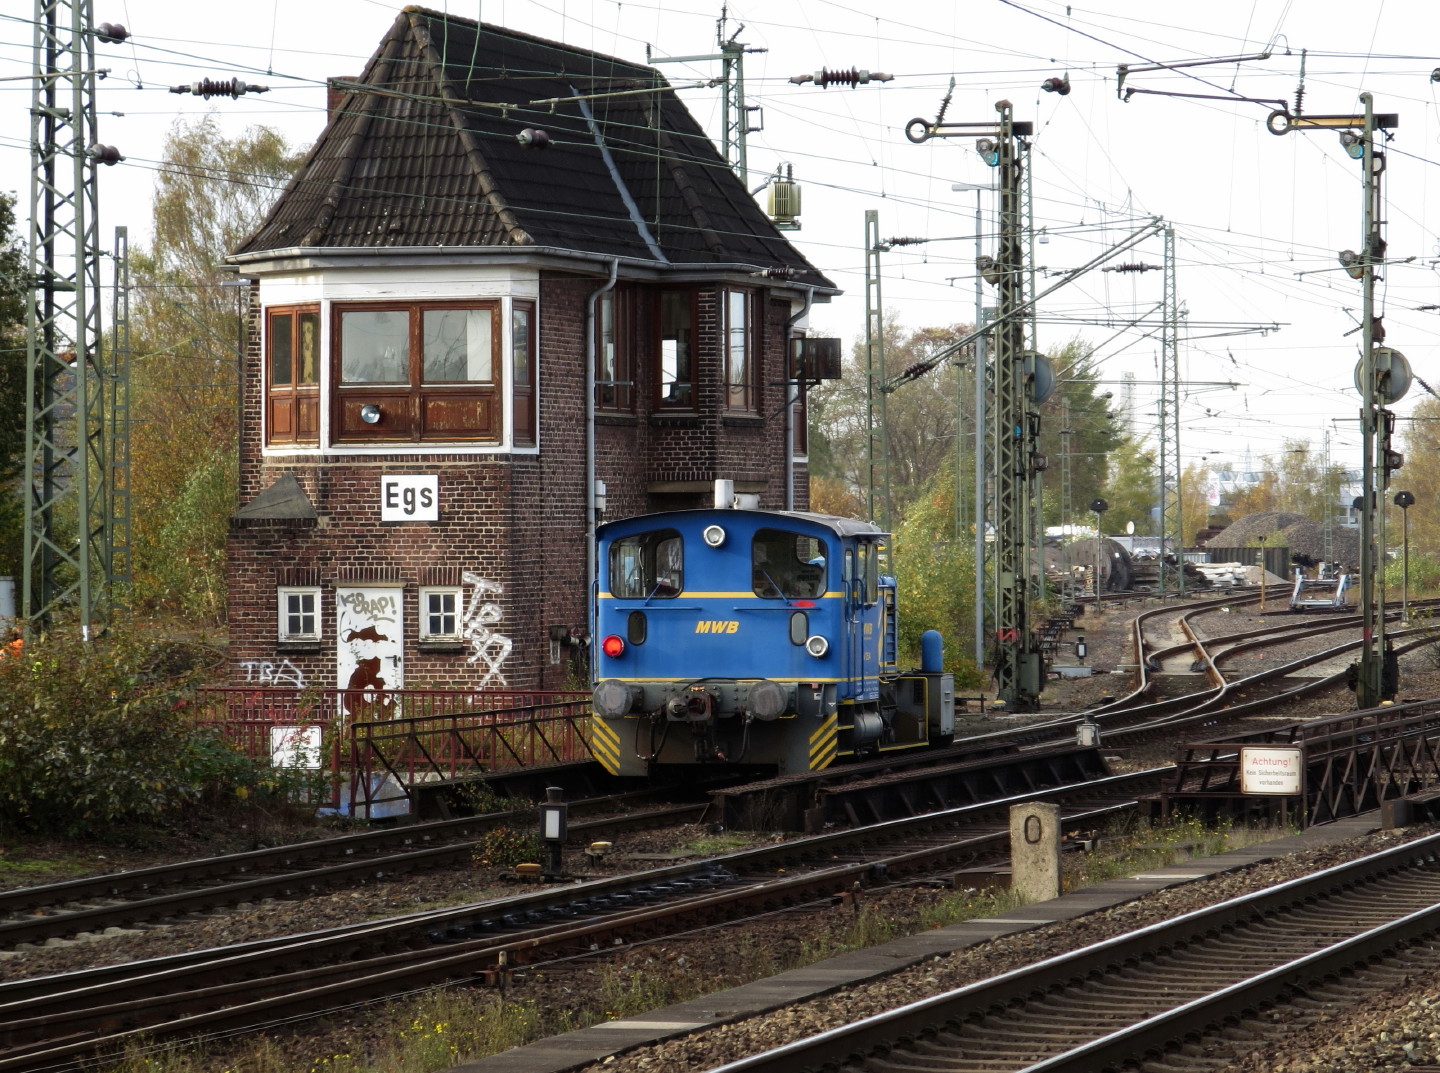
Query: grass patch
point(716, 844)
point(42, 870)
point(1130, 848)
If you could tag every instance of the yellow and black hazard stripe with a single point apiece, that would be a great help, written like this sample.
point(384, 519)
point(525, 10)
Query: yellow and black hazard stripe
point(605, 744)
point(825, 743)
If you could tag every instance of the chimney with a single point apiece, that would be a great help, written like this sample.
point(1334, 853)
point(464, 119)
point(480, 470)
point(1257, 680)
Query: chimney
point(335, 96)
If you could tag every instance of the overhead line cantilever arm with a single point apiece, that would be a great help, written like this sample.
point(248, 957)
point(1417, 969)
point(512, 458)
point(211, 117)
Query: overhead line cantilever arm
point(920, 368)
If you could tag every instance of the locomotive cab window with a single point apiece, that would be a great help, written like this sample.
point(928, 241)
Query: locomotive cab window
point(786, 565)
point(647, 565)
point(868, 573)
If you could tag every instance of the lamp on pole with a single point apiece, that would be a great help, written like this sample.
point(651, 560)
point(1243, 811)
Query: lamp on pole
point(1404, 500)
point(1099, 506)
point(979, 189)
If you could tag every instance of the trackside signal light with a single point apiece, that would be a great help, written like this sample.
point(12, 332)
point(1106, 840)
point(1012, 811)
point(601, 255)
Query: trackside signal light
point(613, 646)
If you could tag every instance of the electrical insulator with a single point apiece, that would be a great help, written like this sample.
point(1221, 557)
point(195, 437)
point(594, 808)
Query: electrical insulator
point(825, 78)
point(111, 33)
point(533, 138)
point(1056, 85)
point(215, 87)
point(104, 154)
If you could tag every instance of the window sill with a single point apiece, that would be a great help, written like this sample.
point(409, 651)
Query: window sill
point(283, 645)
point(743, 421)
point(610, 417)
point(675, 420)
point(440, 646)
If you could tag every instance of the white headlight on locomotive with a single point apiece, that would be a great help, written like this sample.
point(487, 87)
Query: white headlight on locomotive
point(816, 645)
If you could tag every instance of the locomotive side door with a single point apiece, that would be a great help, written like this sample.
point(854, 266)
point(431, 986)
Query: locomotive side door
point(865, 641)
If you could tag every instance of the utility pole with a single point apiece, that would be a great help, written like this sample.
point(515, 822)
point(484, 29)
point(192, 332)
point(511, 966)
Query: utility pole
point(1373, 683)
point(1018, 663)
point(1382, 376)
point(68, 522)
point(118, 406)
point(877, 453)
point(1036, 374)
point(734, 112)
point(1019, 666)
point(1171, 524)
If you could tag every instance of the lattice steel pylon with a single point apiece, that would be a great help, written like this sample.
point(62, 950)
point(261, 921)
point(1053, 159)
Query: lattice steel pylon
point(1019, 665)
point(67, 474)
point(734, 112)
point(1171, 524)
point(877, 431)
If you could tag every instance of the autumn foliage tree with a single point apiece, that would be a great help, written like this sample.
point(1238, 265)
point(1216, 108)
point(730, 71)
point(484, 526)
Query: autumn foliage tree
point(13, 292)
point(187, 349)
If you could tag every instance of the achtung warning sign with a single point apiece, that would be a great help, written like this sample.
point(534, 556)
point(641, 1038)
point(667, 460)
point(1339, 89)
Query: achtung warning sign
point(1269, 770)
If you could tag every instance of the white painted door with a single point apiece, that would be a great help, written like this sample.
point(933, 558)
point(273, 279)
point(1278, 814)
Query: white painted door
point(369, 648)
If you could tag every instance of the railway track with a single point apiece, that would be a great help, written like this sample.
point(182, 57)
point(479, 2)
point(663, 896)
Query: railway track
point(1139, 717)
point(1159, 994)
point(174, 891)
point(58, 1021)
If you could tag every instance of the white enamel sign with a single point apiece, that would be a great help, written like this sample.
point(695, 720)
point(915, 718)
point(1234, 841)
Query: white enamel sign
point(1269, 770)
point(410, 498)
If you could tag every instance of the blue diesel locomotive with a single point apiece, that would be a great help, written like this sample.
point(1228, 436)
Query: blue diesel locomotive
point(756, 638)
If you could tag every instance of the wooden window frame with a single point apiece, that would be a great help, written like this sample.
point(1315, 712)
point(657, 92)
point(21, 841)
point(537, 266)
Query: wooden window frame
point(292, 409)
point(413, 410)
point(615, 386)
point(677, 396)
point(742, 391)
point(523, 394)
point(800, 412)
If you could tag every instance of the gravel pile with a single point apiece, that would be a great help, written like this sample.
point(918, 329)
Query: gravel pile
point(1295, 531)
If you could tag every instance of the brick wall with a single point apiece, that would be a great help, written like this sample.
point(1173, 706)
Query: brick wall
point(516, 520)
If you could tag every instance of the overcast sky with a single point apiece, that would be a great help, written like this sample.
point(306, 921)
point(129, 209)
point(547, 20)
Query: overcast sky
point(1258, 218)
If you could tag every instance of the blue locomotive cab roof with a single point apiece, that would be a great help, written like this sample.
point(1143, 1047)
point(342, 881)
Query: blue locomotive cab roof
point(684, 519)
point(780, 555)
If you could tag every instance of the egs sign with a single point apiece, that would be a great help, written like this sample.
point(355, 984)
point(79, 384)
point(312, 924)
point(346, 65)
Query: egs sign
point(410, 498)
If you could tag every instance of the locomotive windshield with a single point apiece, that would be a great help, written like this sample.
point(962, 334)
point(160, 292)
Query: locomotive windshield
point(646, 565)
point(787, 565)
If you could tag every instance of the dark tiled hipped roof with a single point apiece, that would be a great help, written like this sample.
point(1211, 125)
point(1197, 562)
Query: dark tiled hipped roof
point(423, 153)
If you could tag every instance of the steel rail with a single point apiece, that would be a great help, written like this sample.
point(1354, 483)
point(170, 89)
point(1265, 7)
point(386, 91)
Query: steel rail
point(1402, 883)
point(66, 1011)
point(291, 884)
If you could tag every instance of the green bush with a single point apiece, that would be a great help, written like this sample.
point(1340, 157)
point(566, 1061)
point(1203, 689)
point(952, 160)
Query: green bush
point(98, 735)
point(1424, 576)
point(935, 577)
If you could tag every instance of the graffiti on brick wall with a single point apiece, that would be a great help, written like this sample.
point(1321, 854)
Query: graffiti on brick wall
point(369, 643)
point(489, 648)
point(263, 672)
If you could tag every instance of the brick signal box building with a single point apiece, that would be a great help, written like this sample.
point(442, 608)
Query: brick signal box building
point(510, 274)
